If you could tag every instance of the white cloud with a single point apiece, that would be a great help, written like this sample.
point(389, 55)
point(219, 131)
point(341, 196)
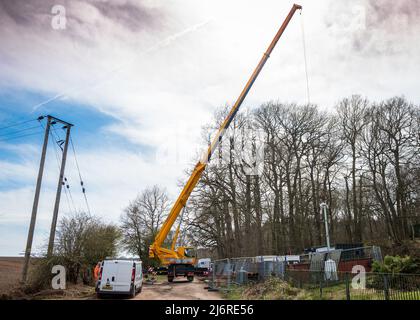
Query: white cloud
point(163, 96)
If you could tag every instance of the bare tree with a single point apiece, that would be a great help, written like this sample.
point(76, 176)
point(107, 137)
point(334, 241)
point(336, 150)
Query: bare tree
point(363, 161)
point(142, 219)
point(352, 114)
point(389, 149)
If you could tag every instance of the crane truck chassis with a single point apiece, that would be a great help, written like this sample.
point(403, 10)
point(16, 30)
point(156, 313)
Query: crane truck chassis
point(181, 261)
point(186, 270)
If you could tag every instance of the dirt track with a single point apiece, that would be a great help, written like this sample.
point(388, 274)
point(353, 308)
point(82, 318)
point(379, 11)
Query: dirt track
point(178, 290)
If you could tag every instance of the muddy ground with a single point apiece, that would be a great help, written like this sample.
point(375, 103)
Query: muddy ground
point(177, 290)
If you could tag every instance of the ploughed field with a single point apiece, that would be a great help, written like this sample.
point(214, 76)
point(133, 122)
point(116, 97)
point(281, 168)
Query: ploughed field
point(10, 273)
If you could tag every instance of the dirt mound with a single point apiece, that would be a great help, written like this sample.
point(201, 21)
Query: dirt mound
point(273, 289)
point(72, 292)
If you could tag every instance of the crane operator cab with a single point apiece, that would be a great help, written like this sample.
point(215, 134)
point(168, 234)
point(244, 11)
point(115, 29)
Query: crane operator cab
point(190, 252)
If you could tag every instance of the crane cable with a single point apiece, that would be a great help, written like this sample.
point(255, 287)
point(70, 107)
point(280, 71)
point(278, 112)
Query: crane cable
point(305, 57)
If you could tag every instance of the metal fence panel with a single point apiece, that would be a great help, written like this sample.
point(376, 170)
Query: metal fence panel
point(326, 275)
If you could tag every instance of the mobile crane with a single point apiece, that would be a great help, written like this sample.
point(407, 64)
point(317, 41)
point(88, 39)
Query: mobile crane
point(181, 261)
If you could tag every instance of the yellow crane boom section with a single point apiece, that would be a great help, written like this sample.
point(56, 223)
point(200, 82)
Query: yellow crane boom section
point(156, 250)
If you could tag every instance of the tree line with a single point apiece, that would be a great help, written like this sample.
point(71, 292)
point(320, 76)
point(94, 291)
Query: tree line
point(361, 159)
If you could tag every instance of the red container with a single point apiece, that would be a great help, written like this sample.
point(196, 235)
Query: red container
point(346, 266)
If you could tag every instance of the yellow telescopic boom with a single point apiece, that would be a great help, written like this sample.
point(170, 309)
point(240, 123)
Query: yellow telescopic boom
point(156, 250)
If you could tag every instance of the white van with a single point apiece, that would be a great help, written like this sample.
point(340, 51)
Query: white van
point(204, 263)
point(120, 276)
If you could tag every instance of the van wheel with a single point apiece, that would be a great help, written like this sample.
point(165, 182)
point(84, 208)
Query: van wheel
point(139, 288)
point(133, 291)
point(170, 279)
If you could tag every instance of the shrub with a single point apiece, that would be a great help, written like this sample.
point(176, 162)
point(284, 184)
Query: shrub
point(397, 264)
point(40, 275)
point(392, 267)
point(82, 241)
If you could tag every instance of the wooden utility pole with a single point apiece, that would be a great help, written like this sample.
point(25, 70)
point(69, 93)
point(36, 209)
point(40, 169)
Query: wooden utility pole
point(59, 188)
point(36, 200)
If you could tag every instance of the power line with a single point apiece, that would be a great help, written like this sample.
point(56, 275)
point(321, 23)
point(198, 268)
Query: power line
point(68, 201)
point(55, 136)
point(58, 167)
point(18, 131)
point(60, 141)
point(19, 123)
point(65, 182)
point(69, 198)
point(67, 186)
point(80, 176)
point(22, 130)
point(21, 136)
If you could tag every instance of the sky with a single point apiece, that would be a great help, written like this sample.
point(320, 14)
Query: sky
point(139, 79)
